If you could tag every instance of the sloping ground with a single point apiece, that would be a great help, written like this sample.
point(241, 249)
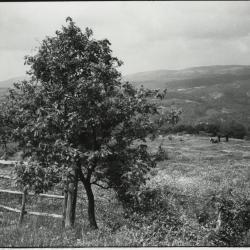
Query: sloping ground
point(204, 93)
point(197, 166)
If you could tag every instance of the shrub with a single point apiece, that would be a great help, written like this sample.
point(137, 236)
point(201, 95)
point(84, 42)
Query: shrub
point(234, 217)
point(162, 214)
point(212, 128)
point(153, 211)
point(247, 137)
point(237, 130)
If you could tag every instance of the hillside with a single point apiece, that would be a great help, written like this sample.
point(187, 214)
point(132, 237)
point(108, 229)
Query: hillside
point(204, 93)
point(188, 184)
point(9, 82)
point(6, 84)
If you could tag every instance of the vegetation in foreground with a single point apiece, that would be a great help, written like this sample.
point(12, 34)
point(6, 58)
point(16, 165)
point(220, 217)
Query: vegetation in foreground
point(178, 206)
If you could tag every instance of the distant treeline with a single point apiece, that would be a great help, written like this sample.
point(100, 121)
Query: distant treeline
point(232, 129)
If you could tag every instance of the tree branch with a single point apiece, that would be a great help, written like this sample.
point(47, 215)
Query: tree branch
point(91, 170)
point(99, 185)
point(81, 175)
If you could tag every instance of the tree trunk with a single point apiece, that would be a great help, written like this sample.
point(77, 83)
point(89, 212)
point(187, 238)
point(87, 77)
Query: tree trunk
point(91, 205)
point(71, 201)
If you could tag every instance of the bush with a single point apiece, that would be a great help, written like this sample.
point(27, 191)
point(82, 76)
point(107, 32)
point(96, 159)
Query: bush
point(212, 128)
point(162, 212)
point(156, 214)
point(234, 218)
point(237, 130)
point(247, 137)
point(233, 129)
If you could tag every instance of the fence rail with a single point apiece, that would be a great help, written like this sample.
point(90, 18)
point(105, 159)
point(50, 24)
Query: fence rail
point(5, 162)
point(32, 194)
point(24, 195)
point(54, 196)
point(32, 213)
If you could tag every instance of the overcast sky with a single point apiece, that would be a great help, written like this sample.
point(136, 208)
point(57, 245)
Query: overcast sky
point(144, 35)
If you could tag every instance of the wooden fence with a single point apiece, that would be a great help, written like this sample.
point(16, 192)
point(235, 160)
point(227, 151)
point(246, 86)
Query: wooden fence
point(25, 194)
point(23, 211)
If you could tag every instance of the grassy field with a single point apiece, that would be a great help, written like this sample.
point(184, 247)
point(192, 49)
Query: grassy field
point(196, 178)
point(197, 166)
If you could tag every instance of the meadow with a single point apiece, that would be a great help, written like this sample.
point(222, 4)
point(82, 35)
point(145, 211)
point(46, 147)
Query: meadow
point(182, 197)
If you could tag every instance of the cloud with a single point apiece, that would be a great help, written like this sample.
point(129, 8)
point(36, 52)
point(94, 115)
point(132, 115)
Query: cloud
point(145, 35)
point(214, 20)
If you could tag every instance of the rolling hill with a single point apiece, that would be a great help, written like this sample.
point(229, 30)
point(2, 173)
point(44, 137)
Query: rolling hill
point(6, 84)
point(9, 82)
point(204, 93)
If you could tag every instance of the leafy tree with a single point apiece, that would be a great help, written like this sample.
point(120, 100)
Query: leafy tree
point(77, 120)
point(5, 130)
point(213, 128)
point(233, 129)
point(201, 126)
point(237, 130)
point(3, 135)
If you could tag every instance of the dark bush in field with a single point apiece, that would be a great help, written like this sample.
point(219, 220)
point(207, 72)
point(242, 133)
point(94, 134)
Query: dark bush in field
point(212, 128)
point(237, 130)
point(166, 211)
point(153, 212)
point(235, 220)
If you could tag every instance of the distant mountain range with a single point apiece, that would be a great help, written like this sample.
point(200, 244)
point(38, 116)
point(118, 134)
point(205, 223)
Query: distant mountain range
point(5, 85)
point(204, 93)
point(9, 82)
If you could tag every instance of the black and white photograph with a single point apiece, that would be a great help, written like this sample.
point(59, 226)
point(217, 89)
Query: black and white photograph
point(124, 124)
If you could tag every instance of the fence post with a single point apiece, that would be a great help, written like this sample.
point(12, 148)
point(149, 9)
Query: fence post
point(64, 206)
point(68, 215)
point(24, 197)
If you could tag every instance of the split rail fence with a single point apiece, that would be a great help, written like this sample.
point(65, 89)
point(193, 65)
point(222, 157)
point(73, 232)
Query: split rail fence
point(25, 195)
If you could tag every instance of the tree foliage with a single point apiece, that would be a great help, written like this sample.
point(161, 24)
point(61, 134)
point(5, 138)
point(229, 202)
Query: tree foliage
point(5, 130)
